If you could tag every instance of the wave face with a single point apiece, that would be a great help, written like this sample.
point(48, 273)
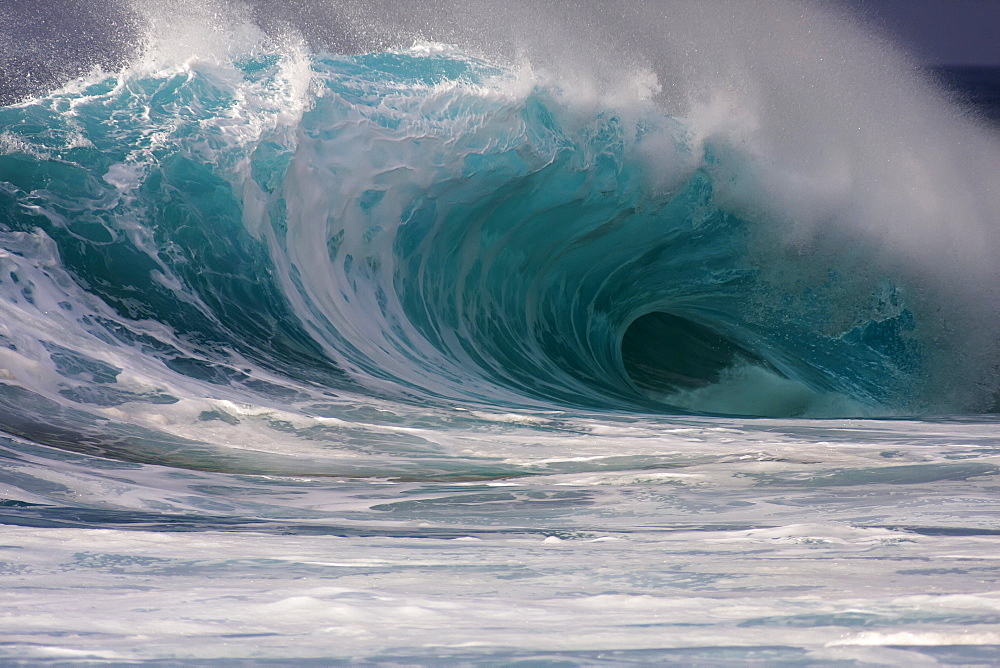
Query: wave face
point(422, 223)
point(516, 279)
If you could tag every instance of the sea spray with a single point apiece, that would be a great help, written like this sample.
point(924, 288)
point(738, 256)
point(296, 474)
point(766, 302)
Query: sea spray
point(456, 332)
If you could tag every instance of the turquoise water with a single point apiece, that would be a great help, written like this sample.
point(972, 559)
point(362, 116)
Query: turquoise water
point(421, 354)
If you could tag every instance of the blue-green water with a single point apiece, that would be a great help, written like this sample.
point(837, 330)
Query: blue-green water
point(421, 355)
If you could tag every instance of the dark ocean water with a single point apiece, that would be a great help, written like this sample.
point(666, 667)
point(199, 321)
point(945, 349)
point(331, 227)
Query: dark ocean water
point(976, 86)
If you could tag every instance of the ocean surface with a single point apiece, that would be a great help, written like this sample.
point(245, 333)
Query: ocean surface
point(661, 333)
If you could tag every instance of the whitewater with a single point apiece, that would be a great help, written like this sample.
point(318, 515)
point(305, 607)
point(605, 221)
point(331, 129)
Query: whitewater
point(555, 333)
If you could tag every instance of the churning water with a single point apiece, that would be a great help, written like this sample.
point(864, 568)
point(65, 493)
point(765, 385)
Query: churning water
point(640, 332)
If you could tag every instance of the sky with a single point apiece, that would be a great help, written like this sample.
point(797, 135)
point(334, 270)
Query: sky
point(940, 32)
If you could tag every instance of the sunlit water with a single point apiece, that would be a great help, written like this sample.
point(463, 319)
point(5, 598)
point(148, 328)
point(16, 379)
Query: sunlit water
point(676, 347)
